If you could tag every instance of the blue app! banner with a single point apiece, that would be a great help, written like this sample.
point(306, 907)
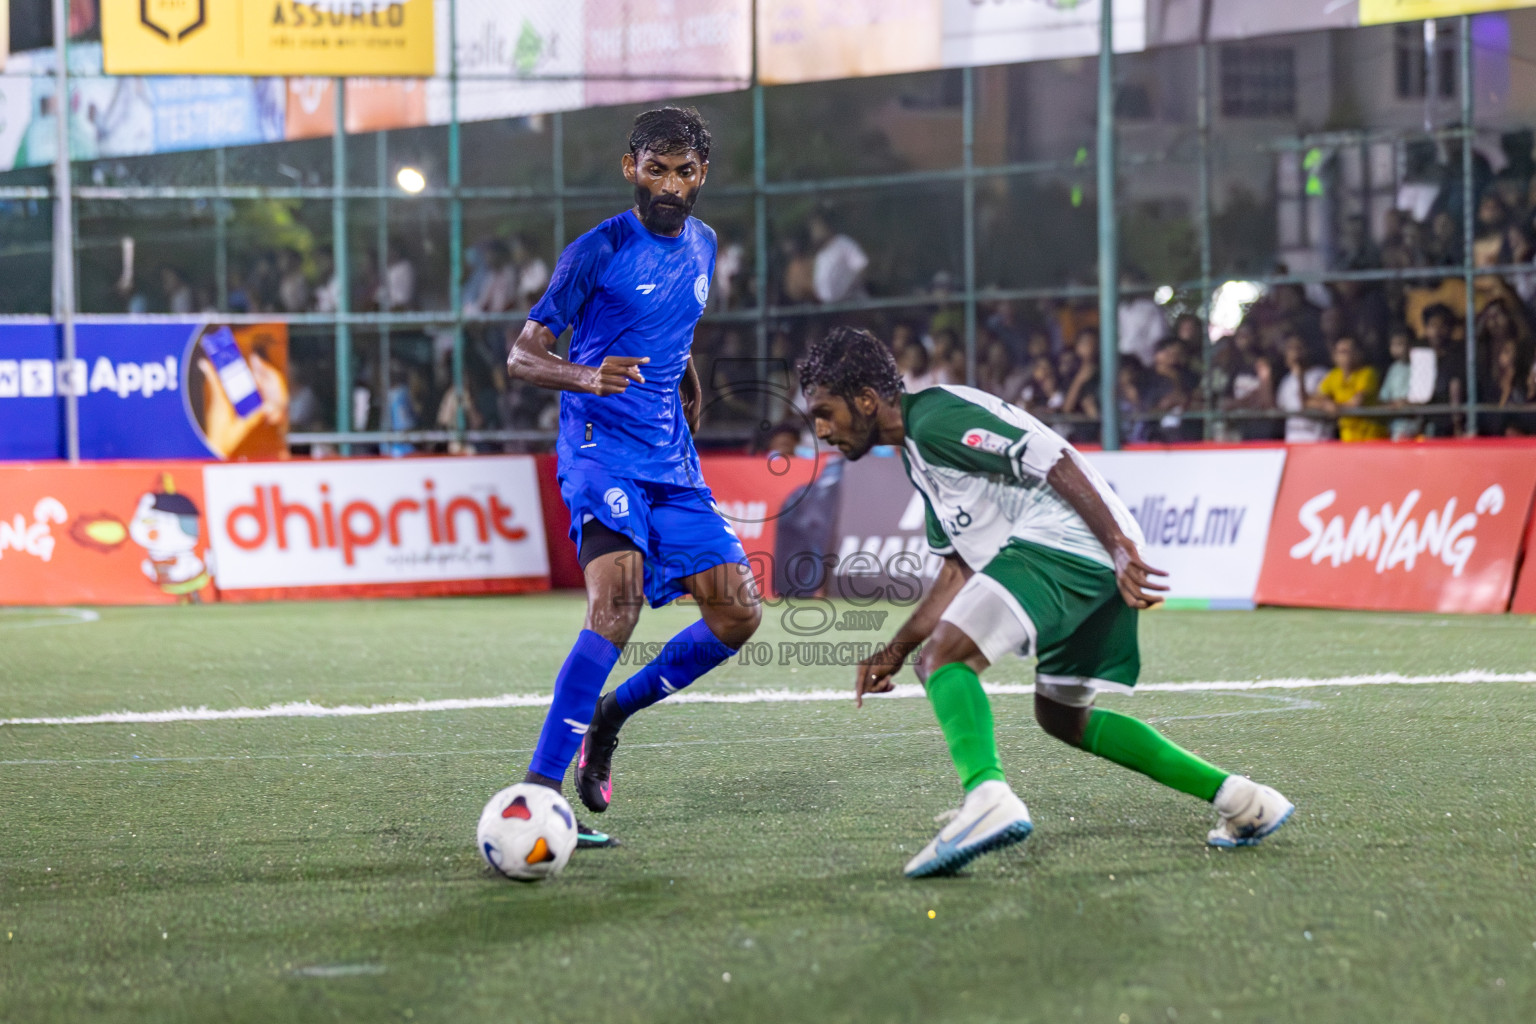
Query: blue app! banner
point(31, 415)
point(131, 379)
point(133, 404)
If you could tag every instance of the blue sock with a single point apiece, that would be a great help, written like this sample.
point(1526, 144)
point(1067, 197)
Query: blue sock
point(577, 688)
point(685, 657)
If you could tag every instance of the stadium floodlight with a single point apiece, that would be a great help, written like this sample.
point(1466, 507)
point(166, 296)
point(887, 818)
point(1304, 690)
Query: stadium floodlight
point(1229, 304)
point(411, 180)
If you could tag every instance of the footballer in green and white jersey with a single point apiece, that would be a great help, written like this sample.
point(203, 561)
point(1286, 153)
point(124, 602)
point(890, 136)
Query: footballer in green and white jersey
point(981, 466)
point(1041, 559)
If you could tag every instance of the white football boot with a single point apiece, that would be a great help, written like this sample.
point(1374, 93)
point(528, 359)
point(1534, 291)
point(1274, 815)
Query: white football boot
point(1249, 812)
point(991, 818)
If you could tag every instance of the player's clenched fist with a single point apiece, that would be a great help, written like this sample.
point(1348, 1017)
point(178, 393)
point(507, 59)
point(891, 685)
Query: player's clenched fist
point(616, 374)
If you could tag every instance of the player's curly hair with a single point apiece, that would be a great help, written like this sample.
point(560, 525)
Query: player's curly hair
point(668, 131)
point(849, 360)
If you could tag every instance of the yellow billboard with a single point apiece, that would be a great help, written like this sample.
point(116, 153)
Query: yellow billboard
point(811, 40)
point(267, 37)
point(1377, 12)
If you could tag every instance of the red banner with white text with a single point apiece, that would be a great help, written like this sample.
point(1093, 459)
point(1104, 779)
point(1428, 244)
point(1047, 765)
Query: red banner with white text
point(1524, 602)
point(1399, 527)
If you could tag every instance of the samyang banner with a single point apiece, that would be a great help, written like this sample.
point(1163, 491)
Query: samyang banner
point(1430, 528)
point(1524, 601)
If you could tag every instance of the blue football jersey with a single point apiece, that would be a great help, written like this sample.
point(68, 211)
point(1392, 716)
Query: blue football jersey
point(630, 292)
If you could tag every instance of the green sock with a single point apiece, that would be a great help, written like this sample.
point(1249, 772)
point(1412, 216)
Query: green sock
point(1135, 744)
point(965, 715)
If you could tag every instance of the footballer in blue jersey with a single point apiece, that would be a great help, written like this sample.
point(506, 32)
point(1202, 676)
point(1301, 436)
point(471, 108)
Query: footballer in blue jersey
point(645, 526)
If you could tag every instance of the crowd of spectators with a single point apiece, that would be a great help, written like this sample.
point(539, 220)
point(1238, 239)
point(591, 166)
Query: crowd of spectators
point(1355, 359)
point(1352, 359)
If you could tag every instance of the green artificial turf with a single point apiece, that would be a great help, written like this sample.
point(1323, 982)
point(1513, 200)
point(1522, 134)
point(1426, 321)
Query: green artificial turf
point(324, 868)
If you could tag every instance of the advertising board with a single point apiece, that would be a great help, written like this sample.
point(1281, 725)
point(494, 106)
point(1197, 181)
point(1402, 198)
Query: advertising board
point(1434, 528)
point(1205, 514)
point(813, 40)
point(1376, 12)
point(1009, 31)
point(253, 37)
point(639, 52)
point(433, 525)
point(128, 533)
point(1524, 601)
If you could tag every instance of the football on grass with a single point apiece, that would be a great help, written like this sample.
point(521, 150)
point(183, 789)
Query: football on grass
point(527, 832)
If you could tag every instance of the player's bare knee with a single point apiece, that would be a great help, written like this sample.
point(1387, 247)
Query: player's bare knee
point(733, 623)
point(1062, 721)
point(947, 646)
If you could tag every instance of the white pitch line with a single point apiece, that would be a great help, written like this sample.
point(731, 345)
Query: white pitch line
point(33, 618)
point(308, 709)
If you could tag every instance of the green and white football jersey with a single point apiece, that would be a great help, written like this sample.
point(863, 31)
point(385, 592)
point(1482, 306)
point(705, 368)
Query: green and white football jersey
point(981, 465)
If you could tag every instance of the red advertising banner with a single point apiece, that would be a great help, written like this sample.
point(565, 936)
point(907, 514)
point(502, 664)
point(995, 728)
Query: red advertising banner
point(752, 492)
point(1525, 591)
point(125, 533)
point(1399, 527)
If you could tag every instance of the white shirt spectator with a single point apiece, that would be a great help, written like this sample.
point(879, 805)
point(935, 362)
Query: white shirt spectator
point(398, 289)
point(1290, 397)
point(532, 279)
point(1142, 326)
point(728, 263)
point(325, 296)
point(837, 269)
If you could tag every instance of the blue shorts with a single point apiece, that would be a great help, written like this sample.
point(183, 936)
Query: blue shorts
point(678, 529)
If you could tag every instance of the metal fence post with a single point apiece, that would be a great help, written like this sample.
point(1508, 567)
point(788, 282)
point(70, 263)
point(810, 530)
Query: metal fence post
point(1468, 214)
point(343, 269)
point(1109, 240)
point(64, 231)
point(1203, 117)
point(455, 226)
point(381, 176)
point(221, 229)
point(968, 133)
point(557, 141)
point(759, 212)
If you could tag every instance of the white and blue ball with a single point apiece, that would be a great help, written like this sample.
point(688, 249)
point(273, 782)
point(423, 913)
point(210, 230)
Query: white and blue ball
point(527, 832)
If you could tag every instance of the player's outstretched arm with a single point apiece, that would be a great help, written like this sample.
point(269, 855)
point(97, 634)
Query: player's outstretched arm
point(533, 359)
point(875, 672)
point(1134, 576)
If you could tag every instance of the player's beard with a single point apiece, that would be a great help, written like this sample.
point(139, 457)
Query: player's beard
point(863, 432)
point(664, 217)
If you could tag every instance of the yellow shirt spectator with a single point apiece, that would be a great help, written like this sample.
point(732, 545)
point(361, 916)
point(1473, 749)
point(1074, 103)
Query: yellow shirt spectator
point(1340, 387)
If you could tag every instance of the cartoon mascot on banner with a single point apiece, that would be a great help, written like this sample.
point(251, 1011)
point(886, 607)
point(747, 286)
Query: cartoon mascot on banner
point(167, 526)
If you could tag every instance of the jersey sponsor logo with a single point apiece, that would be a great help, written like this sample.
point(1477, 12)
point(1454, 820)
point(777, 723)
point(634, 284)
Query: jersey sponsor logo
point(645, 289)
point(701, 288)
point(987, 441)
point(618, 502)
